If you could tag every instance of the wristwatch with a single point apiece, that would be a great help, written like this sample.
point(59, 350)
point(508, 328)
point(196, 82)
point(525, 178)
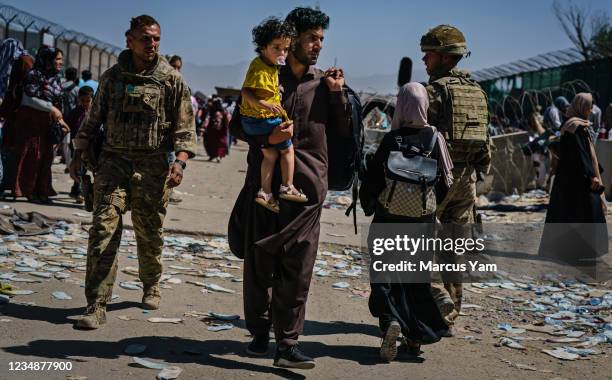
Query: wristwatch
point(182, 163)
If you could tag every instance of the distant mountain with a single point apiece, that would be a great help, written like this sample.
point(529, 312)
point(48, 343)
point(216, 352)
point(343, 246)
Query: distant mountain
point(205, 77)
point(383, 84)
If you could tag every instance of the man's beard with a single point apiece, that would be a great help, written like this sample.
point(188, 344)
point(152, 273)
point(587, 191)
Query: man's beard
point(302, 57)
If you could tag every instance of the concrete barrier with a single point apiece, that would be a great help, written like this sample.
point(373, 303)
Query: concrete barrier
point(603, 149)
point(511, 170)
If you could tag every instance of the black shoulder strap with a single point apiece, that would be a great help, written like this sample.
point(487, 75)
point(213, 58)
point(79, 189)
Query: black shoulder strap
point(432, 143)
point(359, 139)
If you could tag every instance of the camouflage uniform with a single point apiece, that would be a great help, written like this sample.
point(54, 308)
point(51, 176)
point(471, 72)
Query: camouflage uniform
point(144, 115)
point(458, 108)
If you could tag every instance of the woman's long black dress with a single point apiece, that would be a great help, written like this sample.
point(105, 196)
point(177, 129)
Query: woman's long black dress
point(410, 304)
point(572, 201)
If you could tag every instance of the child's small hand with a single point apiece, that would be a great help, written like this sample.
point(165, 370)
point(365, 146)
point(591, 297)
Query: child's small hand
point(275, 108)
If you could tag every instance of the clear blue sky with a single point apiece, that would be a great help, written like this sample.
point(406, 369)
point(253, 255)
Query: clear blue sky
point(366, 37)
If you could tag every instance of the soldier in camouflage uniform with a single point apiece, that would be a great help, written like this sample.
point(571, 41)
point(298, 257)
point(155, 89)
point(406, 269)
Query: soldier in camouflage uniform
point(145, 108)
point(458, 108)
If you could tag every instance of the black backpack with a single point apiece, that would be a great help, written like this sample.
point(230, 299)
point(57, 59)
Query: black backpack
point(345, 156)
point(410, 178)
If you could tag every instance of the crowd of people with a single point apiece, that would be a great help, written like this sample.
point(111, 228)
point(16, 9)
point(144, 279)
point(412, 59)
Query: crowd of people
point(544, 128)
point(42, 107)
point(212, 117)
point(40, 110)
point(425, 170)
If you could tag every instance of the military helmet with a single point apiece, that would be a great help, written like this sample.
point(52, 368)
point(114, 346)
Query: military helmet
point(444, 39)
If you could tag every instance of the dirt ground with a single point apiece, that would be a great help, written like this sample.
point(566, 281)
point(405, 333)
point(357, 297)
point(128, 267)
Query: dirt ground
point(340, 332)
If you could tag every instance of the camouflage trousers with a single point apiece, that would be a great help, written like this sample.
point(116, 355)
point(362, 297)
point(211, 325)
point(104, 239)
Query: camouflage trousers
point(121, 182)
point(456, 211)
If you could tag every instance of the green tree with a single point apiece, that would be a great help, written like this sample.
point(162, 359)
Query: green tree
point(601, 42)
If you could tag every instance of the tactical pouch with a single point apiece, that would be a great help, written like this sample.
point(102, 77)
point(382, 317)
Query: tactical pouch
point(139, 123)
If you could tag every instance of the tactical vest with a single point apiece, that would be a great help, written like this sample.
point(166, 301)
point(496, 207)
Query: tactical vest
point(465, 119)
point(136, 117)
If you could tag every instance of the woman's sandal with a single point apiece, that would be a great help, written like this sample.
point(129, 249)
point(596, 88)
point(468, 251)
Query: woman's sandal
point(267, 201)
point(290, 193)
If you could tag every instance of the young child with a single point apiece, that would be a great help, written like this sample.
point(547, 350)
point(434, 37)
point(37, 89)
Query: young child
point(261, 109)
point(75, 118)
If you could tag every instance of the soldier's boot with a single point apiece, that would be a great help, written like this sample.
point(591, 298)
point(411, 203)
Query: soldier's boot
point(93, 318)
point(443, 299)
point(151, 297)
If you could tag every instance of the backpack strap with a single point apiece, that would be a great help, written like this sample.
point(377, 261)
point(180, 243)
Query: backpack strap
point(432, 143)
point(358, 136)
point(353, 206)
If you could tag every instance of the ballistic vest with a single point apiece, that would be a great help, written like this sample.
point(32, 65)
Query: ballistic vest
point(137, 118)
point(465, 116)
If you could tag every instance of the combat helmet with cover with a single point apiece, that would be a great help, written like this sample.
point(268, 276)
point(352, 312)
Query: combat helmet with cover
point(444, 39)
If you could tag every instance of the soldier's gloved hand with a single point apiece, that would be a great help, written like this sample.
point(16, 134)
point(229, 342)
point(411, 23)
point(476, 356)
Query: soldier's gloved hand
point(176, 175)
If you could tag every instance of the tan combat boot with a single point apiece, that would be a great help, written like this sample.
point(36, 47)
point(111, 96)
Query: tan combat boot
point(447, 309)
point(445, 305)
point(151, 297)
point(94, 317)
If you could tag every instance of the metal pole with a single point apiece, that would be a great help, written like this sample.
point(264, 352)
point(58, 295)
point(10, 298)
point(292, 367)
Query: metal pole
point(41, 37)
point(80, 54)
point(25, 35)
point(68, 43)
point(56, 40)
point(7, 26)
point(100, 63)
point(91, 50)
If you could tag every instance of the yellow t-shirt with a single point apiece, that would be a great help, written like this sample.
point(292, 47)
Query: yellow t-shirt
point(263, 78)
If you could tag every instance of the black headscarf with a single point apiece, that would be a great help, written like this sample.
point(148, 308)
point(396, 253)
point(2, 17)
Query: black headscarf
point(45, 60)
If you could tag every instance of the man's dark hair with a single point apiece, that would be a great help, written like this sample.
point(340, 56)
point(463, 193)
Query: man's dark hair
point(86, 91)
point(86, 75)
point(141, 22)
point(270, 29)
point(175, 58)
point(306, 18)
point(71, 74)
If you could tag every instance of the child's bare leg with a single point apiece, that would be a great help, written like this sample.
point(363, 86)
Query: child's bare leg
point(287, 162)
point(270, 155)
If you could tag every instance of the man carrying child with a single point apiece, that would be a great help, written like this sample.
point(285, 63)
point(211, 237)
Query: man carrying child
point(280, 249)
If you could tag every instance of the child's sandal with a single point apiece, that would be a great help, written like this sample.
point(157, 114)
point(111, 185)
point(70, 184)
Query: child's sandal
point(267, 201)
point(290, 193)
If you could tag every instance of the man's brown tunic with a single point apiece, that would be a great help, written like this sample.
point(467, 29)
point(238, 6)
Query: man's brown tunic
point(280, 249)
